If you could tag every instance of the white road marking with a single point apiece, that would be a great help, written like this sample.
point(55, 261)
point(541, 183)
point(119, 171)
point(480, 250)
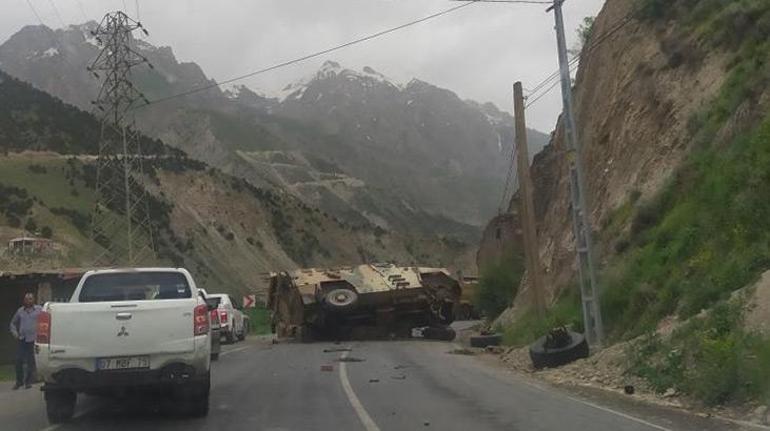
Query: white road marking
point(366, 420)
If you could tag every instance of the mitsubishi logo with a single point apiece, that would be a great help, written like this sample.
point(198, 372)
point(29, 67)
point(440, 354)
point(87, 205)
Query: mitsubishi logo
point(122, 332)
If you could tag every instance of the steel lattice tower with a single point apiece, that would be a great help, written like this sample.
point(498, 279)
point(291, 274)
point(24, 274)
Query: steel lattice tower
point(120, 220)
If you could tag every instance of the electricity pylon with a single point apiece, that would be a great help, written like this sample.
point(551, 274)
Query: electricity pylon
point(120, 220)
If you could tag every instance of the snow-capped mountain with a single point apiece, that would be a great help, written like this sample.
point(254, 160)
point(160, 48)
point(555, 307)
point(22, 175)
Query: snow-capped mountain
point(363, 147)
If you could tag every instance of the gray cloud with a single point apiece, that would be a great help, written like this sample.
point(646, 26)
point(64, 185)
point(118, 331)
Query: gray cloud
point(477, 52)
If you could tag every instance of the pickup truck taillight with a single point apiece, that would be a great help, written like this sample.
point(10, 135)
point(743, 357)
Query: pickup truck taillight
point(201, 320)
point(223, 317)
point(43, 328)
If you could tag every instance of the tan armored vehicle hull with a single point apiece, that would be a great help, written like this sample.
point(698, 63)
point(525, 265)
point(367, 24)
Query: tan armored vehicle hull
point(365, 301)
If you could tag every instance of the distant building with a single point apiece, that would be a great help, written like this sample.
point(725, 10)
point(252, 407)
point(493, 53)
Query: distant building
point(53, 285)
point(30, 245)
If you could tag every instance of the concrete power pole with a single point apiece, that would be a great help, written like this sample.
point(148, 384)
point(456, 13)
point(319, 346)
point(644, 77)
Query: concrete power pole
point(589, 289)
point(120, 220)
point(527, 203)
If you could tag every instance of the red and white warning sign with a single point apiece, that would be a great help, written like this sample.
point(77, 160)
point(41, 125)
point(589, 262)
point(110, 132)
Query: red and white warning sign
point(250, 301)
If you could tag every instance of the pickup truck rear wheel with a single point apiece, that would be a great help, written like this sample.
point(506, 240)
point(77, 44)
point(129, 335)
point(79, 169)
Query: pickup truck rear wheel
point(60, 405)
point(229, 337)
point(193, 398)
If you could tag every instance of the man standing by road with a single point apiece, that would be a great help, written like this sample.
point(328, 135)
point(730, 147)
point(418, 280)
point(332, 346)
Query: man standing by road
point(24, 329)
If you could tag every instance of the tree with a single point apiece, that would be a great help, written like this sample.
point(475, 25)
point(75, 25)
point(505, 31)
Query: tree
point(584, 32)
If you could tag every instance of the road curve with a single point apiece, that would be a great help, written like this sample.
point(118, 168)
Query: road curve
point(399, 385)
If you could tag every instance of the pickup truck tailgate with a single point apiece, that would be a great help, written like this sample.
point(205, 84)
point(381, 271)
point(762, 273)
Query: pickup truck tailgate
point(100, 329)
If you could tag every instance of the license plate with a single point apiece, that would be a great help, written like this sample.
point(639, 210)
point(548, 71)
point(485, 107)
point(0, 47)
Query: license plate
point(123, 363)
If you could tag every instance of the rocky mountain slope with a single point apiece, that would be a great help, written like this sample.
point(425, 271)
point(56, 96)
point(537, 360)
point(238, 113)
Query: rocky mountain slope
point(365, 148)
point(228, 232)
point(673, 111)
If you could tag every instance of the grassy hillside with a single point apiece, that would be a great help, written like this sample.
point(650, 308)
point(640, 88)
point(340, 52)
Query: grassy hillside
point(228, 232)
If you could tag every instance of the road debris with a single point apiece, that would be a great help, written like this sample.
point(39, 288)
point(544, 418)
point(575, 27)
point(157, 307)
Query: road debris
point(485, 340)
point(327, 367)
point(400, 367)
point(338, 349)
point(350, 359)
point(629, 389)
point(462, 351)
point(374, 380)
point(399, 377)
point(495, 350)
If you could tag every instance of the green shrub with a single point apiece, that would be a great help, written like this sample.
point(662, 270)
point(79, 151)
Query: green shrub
point(711, 358)
point(566, 312)
point(498, 285)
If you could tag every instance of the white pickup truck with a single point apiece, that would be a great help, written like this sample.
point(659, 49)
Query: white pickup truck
point(126, 331)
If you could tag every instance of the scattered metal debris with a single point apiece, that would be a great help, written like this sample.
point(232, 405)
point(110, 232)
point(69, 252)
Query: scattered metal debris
point(350, 359)
point(338, 349)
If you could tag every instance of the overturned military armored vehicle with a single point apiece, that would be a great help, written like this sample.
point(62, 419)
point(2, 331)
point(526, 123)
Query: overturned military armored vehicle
point(365, 301)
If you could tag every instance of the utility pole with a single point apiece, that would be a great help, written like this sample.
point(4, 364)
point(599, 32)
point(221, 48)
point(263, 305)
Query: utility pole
point(120, 220)
point(589, 290)
point(527, 203)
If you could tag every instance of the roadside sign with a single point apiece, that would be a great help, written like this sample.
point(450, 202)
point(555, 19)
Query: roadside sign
point(250, 301)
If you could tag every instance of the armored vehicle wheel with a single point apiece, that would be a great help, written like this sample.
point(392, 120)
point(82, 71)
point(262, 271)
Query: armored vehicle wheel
point(558, 348)
point(340, 299)
point(482, 341)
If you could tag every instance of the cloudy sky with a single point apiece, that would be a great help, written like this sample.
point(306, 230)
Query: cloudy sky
point(477, 51)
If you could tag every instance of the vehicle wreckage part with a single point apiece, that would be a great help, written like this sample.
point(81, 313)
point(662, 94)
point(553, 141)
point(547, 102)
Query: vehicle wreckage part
point(340, 299)
point(559, 347)
point(482, 341)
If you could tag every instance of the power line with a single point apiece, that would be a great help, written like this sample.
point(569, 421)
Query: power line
point(317, 53)
point(513, 1)
point(34, 11)
point(619, 24)
point(54, 37)
point(82, 10)
point(507, 185)
point(56, 12)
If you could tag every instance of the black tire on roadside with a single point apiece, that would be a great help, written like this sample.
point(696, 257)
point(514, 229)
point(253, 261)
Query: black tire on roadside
point(543, 357)
point(60, 405)
point(482, 341)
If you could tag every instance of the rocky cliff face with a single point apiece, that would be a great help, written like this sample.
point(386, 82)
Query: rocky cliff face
point(636, 97)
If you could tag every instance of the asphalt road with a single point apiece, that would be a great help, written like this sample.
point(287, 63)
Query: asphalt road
point(399, 385)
